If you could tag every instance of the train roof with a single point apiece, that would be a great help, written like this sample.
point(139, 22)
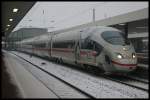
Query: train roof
point(37, 38)
point(71, 35)
point(75, 34)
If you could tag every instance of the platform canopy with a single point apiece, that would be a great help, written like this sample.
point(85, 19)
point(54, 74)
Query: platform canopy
point(12, 12)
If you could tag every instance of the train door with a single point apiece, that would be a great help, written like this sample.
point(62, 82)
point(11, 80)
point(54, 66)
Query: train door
point(50, 45)
point(88, 52)
point(85, 50)
point(47, 47)
point(77, 51)
point(106, 63)
point(77, 48)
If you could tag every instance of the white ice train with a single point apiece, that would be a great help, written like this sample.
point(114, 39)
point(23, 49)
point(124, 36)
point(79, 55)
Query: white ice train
point(104, 47)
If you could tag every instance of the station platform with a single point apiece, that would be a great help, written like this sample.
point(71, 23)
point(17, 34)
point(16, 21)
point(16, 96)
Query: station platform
point(26, 84)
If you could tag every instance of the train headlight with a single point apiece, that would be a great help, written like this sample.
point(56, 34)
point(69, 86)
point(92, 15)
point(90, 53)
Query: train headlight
point(133, 55)
point(119, 56)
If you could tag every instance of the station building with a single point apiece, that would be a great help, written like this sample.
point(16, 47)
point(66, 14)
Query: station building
point(24, 33)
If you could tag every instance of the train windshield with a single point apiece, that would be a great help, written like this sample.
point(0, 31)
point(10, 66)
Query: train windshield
point(115, 38)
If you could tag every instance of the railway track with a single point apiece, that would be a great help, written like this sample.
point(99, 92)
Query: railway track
point(138, 79)
point(132, 82)
point(129, 80)
point(144, 75)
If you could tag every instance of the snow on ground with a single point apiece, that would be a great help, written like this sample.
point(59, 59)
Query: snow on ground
point(60, 89)
point(28, 85)
point(139, 84)
point(96, 86)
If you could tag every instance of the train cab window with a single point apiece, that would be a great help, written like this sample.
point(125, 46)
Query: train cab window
point(115, 38)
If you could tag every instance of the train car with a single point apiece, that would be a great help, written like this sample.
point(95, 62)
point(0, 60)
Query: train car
point(104, 47)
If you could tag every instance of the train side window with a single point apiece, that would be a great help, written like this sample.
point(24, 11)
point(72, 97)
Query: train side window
point(55, 45)
point(90, 45)
point(43, 45)
point(83, 44)
point(65, 44)
point(40, 45)
point(70, 44)
point(59, 45)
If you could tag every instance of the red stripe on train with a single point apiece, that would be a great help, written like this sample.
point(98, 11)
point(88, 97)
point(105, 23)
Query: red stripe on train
point(123, 64)
point(62, 50)
point(93, 53)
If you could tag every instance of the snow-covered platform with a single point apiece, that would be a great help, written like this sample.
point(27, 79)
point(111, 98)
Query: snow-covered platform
point(27, 84)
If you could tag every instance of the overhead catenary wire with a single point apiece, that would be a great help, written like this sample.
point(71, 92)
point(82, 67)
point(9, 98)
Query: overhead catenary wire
point(79, 13)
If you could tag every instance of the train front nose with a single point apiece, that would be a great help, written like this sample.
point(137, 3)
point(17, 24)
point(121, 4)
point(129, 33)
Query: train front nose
point(125, 63)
